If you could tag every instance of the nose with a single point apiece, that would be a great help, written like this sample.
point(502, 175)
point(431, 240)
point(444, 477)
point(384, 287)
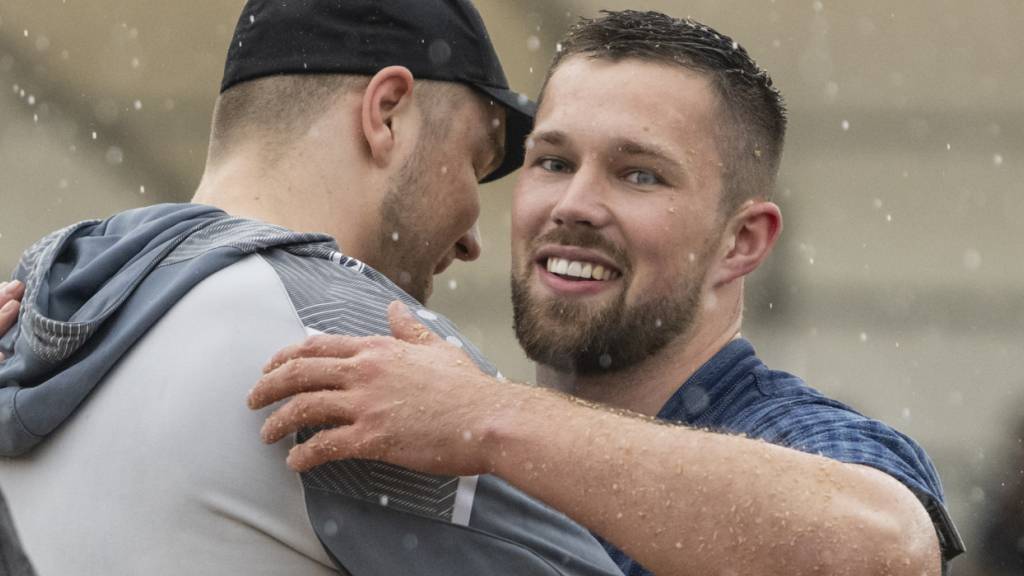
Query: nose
point(582, 202)
point(468, 247)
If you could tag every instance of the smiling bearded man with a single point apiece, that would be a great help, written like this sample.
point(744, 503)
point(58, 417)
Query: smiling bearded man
point(343, 172)
point(642, 206)
point(572, 336)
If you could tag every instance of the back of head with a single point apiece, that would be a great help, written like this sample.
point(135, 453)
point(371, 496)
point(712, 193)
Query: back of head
point(272, 113)
point(288, 60)
point(754, 118)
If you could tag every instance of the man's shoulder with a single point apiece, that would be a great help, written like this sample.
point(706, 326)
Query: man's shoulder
point(790, 413)
point(735, 391)
point(738, 394)
point(332, 279)
point(783, 409)
point(337, 294)
point(781, 397)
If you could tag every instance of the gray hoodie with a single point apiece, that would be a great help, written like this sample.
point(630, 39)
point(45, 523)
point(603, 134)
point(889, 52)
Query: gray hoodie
point(122, 416)
point(92, 290)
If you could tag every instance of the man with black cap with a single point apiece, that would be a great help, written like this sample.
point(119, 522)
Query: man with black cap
point(346, 150)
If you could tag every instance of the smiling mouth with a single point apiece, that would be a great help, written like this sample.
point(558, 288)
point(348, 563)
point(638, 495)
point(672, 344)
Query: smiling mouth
point(578, 270)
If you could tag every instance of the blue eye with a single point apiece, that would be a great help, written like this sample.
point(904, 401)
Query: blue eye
point(643, 178)
point(554, 165)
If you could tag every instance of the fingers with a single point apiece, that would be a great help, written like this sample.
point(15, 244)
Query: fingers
point(405, 326)
point(319, 347)
point(325, 446)
point(13, 290)
point(302, 375)
point(8, 314)
point(10, 295)
point(333, 444)
point(307, 411)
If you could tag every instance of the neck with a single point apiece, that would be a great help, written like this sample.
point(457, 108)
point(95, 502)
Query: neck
point(318, 185)
point(645, 387)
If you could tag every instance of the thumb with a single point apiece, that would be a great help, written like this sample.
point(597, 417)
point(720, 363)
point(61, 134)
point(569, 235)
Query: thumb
point(406, 327)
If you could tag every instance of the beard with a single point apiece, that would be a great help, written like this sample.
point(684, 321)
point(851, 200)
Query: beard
point(573, 337)
point(402, 247)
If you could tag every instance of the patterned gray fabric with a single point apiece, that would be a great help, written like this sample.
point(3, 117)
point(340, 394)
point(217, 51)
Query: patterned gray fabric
point(335, 294)
point(376, 518)
point(246, 236)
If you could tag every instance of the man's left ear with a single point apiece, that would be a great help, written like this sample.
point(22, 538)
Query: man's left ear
point(749, 237)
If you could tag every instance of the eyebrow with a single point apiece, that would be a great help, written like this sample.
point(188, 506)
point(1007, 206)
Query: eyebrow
point(624, 146)
point(552, 137)
point(653, 151)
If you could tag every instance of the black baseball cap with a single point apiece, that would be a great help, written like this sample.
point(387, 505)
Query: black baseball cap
point(435, 39)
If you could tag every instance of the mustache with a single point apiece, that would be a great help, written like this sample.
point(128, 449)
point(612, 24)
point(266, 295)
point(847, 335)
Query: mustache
point(584, 238)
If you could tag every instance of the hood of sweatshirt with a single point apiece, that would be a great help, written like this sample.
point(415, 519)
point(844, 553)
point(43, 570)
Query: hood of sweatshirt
point(93, 289)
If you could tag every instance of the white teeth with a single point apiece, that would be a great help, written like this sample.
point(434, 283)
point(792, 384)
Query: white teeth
point(578, 269)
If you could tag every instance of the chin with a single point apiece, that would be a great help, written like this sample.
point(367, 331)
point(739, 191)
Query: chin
point(421, 292)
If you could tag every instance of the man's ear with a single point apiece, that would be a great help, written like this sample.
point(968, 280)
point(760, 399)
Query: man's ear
point(749, 237)
point(387, 97)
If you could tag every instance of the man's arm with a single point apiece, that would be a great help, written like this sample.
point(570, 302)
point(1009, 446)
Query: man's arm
point(678, 500)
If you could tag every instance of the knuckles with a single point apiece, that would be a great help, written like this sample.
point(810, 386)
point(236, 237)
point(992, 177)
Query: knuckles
point(365, 369)
point(315, 345)
point(373, 346)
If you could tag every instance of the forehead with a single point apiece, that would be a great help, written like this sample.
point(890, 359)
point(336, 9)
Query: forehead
point(631, 99)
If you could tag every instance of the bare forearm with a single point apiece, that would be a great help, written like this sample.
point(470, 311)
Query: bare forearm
point(679, 501)
point(682, 501)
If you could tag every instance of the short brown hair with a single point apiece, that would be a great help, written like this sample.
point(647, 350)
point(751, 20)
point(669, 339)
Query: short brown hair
point(277, 110)
point(755, 128)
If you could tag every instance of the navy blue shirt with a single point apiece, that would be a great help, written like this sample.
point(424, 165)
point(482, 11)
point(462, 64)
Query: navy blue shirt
point(736, 393)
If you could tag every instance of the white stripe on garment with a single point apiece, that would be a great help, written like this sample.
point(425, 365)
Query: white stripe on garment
point(464, 496)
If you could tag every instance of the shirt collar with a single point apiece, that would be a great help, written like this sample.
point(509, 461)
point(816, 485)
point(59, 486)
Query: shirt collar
point(711, 382)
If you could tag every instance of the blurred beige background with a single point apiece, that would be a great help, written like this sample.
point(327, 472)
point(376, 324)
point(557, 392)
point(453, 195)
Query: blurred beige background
point(898, 285)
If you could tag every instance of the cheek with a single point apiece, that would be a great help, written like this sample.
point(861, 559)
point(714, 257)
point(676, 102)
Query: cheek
point(519, 237)
point(530, 209)
point(526, 223)
point(661, 242)
point(469, 207)
point(462, 207)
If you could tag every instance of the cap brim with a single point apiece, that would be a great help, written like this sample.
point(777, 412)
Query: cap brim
point(518, 125)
